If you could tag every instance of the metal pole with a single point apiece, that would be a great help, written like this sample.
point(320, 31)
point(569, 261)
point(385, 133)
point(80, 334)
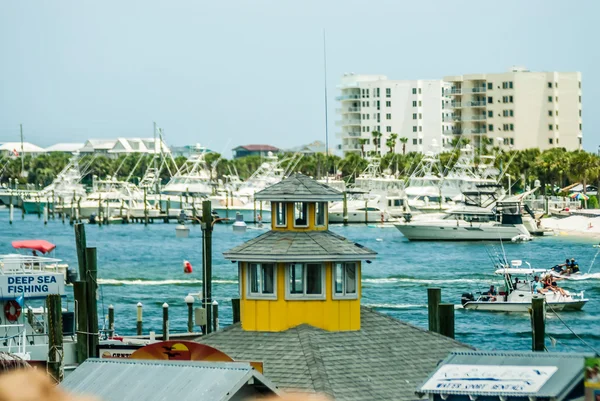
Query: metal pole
point(434, 297)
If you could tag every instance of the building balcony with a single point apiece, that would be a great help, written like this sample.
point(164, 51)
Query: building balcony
point(477, 117)
point(457, 131)
point(452, 91)
point(477, 131)
point(455, 105)
point(351, 96)
point(348, 110)
point(351, 134)
point(478, 89)
point(479, 103)
point(451, 119)
point(346, 122)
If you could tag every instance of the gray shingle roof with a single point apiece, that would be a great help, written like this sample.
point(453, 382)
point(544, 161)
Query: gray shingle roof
point(297, 188)
point(568, 375)
point(116, 380)
point(295, 246)
point(386, 360)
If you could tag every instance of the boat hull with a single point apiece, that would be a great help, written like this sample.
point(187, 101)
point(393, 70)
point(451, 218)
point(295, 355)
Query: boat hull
point(460, 233)
point(357, 217)
point(522, 307)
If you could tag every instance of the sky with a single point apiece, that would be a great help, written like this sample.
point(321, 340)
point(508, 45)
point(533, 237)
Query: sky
point(228, 73)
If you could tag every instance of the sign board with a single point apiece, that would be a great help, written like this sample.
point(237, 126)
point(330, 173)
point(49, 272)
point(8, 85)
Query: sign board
point(110, 351)
point(200, 316)
point(482, 379)
point(31, 285)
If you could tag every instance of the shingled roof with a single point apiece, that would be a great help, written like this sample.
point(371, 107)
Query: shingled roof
point(304, 246)
point(298, 188)
point(386, 360)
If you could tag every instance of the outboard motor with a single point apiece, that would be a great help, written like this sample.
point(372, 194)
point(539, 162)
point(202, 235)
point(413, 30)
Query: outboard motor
point(466, 297)
point(71, 275)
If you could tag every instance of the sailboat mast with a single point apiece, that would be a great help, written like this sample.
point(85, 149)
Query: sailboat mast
point(326, 116)
point(156, 179)
point(22, 153)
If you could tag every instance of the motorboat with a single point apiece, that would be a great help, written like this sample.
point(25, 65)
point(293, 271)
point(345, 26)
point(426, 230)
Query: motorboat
point(515, 293)
point(424, 187)
point(361, 207)
point(469, 223)
point(65, 188)
point(36, 247)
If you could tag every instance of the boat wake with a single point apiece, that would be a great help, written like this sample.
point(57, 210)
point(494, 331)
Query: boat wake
point(393, 280)
point(117, 282)
point(585, 276)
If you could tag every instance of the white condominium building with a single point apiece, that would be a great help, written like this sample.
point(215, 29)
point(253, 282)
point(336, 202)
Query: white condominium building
point(410, 109)
point(518, 109)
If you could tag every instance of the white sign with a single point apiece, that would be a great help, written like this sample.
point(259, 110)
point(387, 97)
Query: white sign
point(31, 285)
point(476, 379)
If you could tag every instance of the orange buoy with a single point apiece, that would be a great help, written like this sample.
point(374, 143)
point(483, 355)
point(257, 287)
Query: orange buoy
point(187, 267)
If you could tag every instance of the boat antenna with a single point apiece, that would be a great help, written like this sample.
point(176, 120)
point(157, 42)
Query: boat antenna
point(326, 116)
point(22, 152)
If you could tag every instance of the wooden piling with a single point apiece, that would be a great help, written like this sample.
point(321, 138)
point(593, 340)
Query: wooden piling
point(165, 323)
point(139, 320)
point(235, 306)
point(80, 245)
point(45, 213)
point(254, 200)
point(39, 207)
point(260, 212)
point(111, 321)
point(11, 212)
point(168, 210)
point(91, 290)
point(366, 212)
point(53, 205)
point(145, 206)
point(79, 294)
point(62, 209)
point(55, 337)
point(215, 315)
point(189, 300)
point(538, 323)
point(434, 298)
point(446, 316)
point(345, 209)
point(207, 227)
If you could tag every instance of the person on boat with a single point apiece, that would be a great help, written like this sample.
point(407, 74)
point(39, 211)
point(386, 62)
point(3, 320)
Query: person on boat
point(574, 266)
point(554, 287)
point(538, 286)
point(491, 294)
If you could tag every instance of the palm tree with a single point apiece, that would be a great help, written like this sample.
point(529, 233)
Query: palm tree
point(580, 168)
point(391, 142)
point(362, 142)
point(403, 141)
point(377, 140)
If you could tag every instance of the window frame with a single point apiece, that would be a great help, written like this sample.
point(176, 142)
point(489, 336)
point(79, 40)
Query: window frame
point(344, 295)
point(284, 205)
point(324, 205)
point(305, 207)
point(261, 295)
point(304, 296)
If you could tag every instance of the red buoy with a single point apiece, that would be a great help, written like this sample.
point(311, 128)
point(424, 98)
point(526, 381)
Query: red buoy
point(187, 267)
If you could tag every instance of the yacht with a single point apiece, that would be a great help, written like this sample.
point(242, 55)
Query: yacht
point(515, 293)
point(484, 216)
point(361, 206)
point(424, 187)
point(65, 188)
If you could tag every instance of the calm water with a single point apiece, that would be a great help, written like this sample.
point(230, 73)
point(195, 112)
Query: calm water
point(144, 264)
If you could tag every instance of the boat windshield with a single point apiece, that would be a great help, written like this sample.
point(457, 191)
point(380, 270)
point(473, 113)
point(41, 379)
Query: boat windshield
point(474, 217)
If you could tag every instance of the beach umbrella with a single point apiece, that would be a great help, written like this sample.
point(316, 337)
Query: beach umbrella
point(579, 196)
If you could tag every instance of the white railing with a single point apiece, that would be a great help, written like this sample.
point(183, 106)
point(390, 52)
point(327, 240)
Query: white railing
point(15, 263)
point(15, 343)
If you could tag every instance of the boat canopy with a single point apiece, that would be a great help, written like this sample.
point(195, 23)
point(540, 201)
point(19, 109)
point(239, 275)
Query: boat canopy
point(39, 245)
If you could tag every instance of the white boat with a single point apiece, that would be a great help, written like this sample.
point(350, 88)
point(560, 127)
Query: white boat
point(362, 207)
point(515, 293)
point(469, 223)
point(424, 187)
point(65, 188)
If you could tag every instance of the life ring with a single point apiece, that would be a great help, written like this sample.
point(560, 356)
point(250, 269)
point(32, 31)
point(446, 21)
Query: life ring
point(12, 310)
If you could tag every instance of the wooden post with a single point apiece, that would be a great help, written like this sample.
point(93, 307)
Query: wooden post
point(168, 209)
point(538, 323)
point(62, 208)
point(215, 315)
point(434, 297)
point(345, 209)
point(260, 212)
point(111, 321)
point(46, 214)
point(446, 316)
point(189, 300)
point(194, 220)
point(99, 217)
point(165, 325)
point(79, 294)
point(139, 319)
point(77, 210)
point(11, 211)
point(254, 201)
point(91, 289)
point(207, 227)
point(39, 207)
point(145, 206)
point(53, 205)
point(227, 204)
point(235, 306)
point(55, 337)
point(366, 212)
point(81, 244)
